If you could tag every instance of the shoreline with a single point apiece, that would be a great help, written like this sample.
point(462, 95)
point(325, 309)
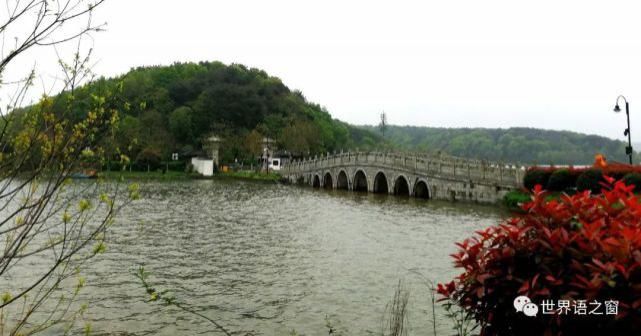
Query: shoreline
point(175, 176)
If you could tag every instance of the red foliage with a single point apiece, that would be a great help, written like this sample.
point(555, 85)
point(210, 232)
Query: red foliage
point(580, 247)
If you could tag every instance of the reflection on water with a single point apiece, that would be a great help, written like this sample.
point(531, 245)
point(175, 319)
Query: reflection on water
point(270, 258)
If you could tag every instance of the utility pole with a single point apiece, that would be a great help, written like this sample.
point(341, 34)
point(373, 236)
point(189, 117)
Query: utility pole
point(382, 126)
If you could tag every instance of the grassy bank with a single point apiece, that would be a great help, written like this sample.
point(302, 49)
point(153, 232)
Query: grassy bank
point(251, 175)
point(176, 175)
point(152, 175)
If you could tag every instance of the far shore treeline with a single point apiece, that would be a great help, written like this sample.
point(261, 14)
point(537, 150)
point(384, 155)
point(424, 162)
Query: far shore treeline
point(514, 145)
point(171, 109)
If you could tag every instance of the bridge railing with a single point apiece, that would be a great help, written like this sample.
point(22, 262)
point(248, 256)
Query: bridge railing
point(440, 165)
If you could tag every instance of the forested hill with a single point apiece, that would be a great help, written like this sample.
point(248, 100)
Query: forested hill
point(166, 109)
point(522, 145)
point(172, 108)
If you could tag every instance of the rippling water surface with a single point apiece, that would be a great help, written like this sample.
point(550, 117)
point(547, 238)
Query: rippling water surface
point(269, 258)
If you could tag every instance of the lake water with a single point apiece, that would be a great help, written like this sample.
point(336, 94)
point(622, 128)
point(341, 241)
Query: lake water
point(269, 259)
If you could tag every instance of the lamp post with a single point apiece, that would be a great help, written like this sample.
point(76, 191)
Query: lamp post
point(617, 109)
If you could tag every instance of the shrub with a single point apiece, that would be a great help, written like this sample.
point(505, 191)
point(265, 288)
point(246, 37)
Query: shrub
point(514, 199)
point(178, 166)
point(633, 179)
point(148, 158)
point(112, 165)
point(592, 180)
point(561, 180)
point(580, 247)
point(536, 176)
point(619, 170)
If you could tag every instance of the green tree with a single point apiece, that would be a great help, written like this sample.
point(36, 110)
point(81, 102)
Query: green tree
point(161, 101)
point(301, 137)
point(181, 125)
point(154, 134)
point(127, 135)
point(149, 158)
point(253, 143)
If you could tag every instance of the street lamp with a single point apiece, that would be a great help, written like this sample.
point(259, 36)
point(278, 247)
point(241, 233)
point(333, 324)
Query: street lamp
point(617, 109)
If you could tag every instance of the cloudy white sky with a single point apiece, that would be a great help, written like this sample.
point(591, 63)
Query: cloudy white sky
point(548, 64)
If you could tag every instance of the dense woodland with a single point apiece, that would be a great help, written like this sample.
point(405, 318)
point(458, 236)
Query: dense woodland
point(167, 109)
point(172, 108)
point(522, 145)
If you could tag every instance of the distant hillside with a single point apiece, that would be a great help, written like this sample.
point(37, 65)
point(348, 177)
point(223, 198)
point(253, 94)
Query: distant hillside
point(523, 145)
point(167, 109)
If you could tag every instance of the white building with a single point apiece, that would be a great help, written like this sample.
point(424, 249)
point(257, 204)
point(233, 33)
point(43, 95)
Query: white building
point(205, 167)
point(275, 164)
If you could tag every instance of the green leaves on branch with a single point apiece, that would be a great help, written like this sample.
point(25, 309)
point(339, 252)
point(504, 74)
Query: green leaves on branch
point(165, 299)
point(134, 191)
point(154, 295)
point(99, 248)
point(84, 205)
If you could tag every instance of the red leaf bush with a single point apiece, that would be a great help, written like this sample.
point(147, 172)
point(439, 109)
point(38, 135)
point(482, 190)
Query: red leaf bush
point(579, 247)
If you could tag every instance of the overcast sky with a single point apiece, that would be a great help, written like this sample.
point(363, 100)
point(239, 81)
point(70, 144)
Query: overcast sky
point(547, 64)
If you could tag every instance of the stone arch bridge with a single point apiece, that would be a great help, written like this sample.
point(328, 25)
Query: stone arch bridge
point(424, 176)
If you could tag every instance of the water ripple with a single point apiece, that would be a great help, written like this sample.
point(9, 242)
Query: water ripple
point(271, 258)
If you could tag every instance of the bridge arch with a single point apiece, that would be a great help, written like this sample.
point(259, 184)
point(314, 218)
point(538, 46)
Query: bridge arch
point(380, 183)
point(316, 183)
point(421, 190)
point(401, 186)
point(341, 181)
point(328, 181)
point(360, 181)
